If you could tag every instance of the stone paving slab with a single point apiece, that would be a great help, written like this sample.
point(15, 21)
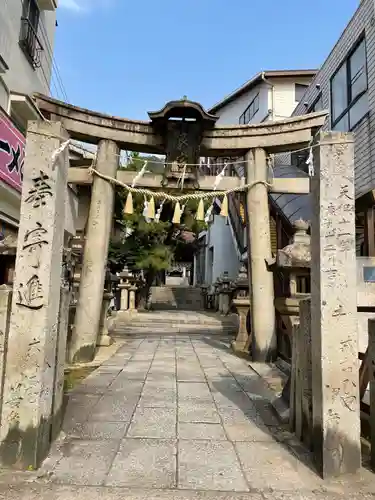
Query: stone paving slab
point(65, 492)
point(198, 412)
point(98, 430)
point(114, 409)
point(269, 465)
point(85, 462)
point(156, 423)
point(209, 432)
point(159, 400)
point(149, 463)
point(209, 465)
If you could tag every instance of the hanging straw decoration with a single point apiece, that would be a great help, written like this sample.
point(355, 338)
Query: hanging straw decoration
point(145, 208)
point(177, 213)
point(128, 209)
point(200, 211)
point(208, 214)
point(151, 208)
point(159, 211)
point(224, 207)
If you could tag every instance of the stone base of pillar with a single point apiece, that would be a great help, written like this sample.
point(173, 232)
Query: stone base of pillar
point(239, 349)
point(128, 312)
point(105, 341)
point(225, 304)
point(242, 342)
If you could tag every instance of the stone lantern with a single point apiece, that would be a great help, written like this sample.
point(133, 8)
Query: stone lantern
point(294, 260)
point(104, 338)
point(216, 300)
point(225, 292)
point(241, 302)
point(124, 287)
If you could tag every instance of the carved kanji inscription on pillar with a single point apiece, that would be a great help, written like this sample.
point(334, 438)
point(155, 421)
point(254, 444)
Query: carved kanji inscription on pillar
point(41, 190)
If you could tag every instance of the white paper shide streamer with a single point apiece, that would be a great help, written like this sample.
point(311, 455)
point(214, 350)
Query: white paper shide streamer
point(310, 163)
point(58, 152)
point(140, 174)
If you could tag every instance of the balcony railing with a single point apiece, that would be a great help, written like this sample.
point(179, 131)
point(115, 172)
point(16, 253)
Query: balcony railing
point(30, 43)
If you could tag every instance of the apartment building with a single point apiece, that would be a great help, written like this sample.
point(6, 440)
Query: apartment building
point(27, 29)
point(269, 95)
point(345, 85)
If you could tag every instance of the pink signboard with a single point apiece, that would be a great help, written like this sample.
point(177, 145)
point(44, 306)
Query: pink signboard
point(12, 153)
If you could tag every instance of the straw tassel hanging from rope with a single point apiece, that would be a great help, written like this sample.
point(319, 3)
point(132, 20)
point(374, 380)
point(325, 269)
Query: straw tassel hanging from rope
point(224, 207)
point(177, 213)
point(200, 210)
point(151, 208)
point(128, 209)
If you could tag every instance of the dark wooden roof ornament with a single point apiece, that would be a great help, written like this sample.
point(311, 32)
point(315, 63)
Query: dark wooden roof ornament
point(182, 124)
point(183, 109)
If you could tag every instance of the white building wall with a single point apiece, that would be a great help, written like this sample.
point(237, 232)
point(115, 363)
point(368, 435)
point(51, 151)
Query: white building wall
point(276, 101)
point(282, 100)
point(225, 254)
point(230, 114)
point(219, 233)
point(363, 21)
point(21, 77)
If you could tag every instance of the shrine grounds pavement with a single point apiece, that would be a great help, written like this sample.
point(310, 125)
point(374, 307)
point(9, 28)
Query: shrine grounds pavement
point(176, 418)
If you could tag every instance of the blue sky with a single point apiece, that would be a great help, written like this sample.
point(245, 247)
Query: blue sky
point(127, 57)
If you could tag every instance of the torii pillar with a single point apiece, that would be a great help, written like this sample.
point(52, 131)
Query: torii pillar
point(85, 331)
point(264, 344)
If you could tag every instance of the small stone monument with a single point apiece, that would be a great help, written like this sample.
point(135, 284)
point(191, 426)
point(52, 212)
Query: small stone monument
point(225, 292)
point(241, 302)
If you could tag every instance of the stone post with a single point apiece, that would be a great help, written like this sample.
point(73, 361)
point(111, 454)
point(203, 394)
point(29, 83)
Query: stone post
point(264, 346)
point(241, 302)
point(371, 366)
point(85, 331)
point(104, 339)
point(132, 301)
point(242, 305)
point(65, 298)
point(220, 306)
point(225, 302)
point(334, 344)
point(124, 287)
point(5, 309)
point(28, 403)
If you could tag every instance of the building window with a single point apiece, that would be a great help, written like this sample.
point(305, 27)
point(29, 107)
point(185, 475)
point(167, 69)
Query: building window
point(349, 99)
point(317, 105)
point(299, 91)
point(29, 40)
point(250, 111)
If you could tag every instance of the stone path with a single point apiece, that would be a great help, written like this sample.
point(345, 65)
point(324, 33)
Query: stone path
point(176, 418)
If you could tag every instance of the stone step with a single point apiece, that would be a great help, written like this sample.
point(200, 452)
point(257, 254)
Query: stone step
point(147, 332)
point(149, 319)
point(149, 326)
point(176, 298)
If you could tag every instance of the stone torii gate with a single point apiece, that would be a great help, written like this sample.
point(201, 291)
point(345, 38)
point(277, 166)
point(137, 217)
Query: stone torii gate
point(33, 364)
point(184, 140)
